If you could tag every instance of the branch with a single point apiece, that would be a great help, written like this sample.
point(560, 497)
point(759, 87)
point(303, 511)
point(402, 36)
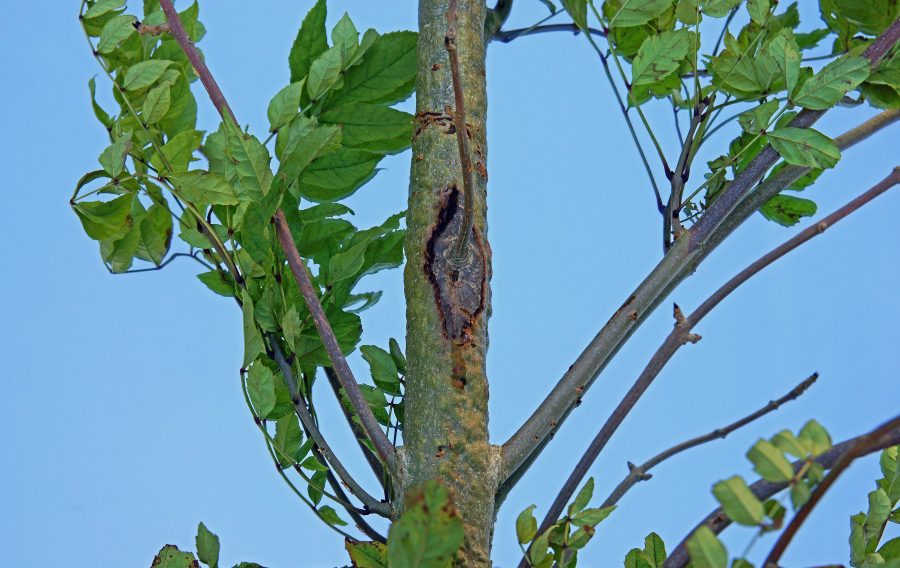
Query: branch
point(639, 473)
point(373, 430)
point(358, 432)
point(677, 264)
point(176, 28)
point(312, 431)
point(495, 18)
point(506, 36)
point(859, 448)
point(460, 250)
point(717, 521)
point(681, 334)
point(677, 178)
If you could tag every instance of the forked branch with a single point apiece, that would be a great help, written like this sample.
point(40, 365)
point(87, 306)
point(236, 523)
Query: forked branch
point(687, 252)
point(682, 334)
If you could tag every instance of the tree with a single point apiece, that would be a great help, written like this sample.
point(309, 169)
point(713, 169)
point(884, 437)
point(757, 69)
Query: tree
point(333, 123)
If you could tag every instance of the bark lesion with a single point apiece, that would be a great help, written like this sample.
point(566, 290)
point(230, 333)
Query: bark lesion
point(459, 288)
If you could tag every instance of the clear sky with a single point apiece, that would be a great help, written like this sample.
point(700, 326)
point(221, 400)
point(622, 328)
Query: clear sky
point(123, 421)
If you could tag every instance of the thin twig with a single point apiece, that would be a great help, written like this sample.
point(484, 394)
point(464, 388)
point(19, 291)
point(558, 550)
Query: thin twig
point(460, 251)
point(338, 361)
point(681, 260)
point(681, 334)
point(638, 473)
point(506, 36)
point(677, 178)
point(859, 448)
point(324, 449)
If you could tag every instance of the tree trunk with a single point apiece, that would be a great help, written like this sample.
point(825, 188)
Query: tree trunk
point(448, 301)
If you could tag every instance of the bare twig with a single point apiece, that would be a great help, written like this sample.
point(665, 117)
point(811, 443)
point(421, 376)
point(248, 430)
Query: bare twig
point(717, 521)
point(859, 448)
point(460, 250)
point(677, 178)
point(683, 257)
point(638, 473)
point(373, 430)
point(682, 334)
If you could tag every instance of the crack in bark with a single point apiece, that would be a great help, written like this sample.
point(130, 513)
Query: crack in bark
point(459, 292)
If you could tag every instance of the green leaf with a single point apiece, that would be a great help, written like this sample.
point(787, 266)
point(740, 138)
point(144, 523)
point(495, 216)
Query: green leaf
point(738, 502)
point(759, 10)
point(338, 174)
point(397, 355)
point(324, 73)
point(383, 368)
point(783, 49)
point(310, 42)
point(526, 525)
point(207, 546)
point(155, 234)
point(787, 210)
point(386, 74)
point(655, 550)
point(261, 387)
point(105, 219)
point(345, 38)
point(367, 554)
point(876, 518)
point(157, 103)
point(756, 120)
point(285, 105)
point(375, 128)
point(312, 464)
point(637, 559)
point(346, 264)
point(815, 435)
point(330, 516)
point(102, 7)
point(305, 143)
point(799, 494)
point(113, 157)
point(891, 549)
point(253, 342)
point(871, 16)
point(220, 283)
point(178, 152)
point(824, 89)
point(705, 549)
point(313, 489)
point(199, 186)
point(770, 463)
point(804, 147)
point(101, 114)
point(251, 163)
point(592, 516)
point(857, 540)
point(144, 74)
point(659, 56)
point(114, 32)
point(288, 437)
point(788, 443)
point(429, 532)
point(170, 557)
point(583, 498)
point(637, 12)
point(578, 10)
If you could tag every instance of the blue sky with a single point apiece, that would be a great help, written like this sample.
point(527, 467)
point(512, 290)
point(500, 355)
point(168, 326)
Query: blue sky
point(123, 421)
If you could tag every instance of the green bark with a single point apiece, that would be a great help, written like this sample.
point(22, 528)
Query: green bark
point(448, 304)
